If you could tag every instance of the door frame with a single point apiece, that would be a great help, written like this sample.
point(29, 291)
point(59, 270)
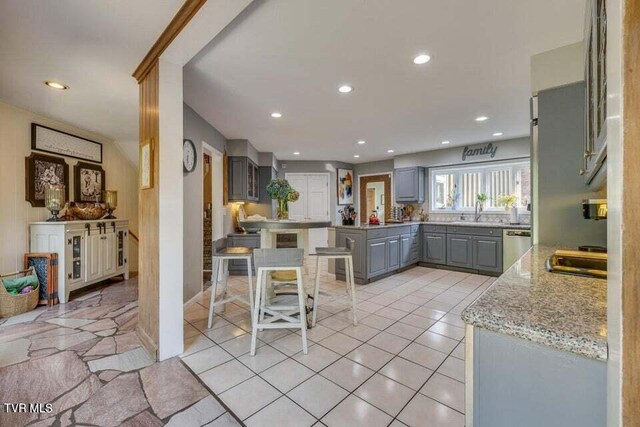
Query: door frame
point(213, 152)
point(362, 195)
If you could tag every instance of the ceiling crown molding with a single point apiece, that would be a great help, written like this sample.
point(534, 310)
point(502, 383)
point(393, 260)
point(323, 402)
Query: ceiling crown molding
point(179, 21)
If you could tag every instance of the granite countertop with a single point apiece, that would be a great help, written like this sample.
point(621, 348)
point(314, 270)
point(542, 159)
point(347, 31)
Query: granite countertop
point(453, 223)
point(565, 312)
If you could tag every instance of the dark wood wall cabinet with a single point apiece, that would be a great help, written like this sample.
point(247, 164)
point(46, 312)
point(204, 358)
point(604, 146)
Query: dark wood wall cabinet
point(243, 179)
point(409, 184)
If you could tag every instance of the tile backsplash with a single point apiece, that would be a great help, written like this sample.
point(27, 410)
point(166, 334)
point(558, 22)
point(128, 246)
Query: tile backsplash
point(492, 217)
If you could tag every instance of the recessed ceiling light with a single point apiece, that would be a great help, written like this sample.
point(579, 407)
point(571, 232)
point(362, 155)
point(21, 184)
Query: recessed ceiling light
point(345, 89)
point(56, 85)
point(296, 153)
point(445, 142)
point(481, 118)
point(421, 59)
point(389, 151)
point(276, 115)
point(497, 134)
point(356, 155)
point(361, 142)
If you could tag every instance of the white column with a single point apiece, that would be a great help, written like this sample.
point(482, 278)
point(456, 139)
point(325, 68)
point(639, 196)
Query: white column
point(169, 181)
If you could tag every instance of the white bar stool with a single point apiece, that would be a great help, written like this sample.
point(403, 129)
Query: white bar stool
point(221, 256)
point(281, 316)
point(345, 253)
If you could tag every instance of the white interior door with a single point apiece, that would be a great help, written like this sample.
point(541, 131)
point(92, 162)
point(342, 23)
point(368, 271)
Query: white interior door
point(313, 204)
point(297, 209)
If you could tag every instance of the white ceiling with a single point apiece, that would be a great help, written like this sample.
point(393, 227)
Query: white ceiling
point(291, 55)
point(91, 45)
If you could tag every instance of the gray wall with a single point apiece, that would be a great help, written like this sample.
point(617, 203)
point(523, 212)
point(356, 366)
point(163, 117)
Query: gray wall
point(560, 188)
point(244, 148)
point(198, 130)
point(373, 167)
point(331, 167)
point(506, 149)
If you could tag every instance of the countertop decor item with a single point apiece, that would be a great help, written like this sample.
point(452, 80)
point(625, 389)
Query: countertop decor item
point(42, 170)
point(64, 144)
point(510, 203)
point(89, 181)
point(87, 211)
point(280, 190)
point(349, 215)
point(54, 200)
point(111, 203)
point(345, 186)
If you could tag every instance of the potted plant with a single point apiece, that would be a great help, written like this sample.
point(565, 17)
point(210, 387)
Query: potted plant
point(510, 201)
point(481, 198)
point(453, 198)
point(280, 190)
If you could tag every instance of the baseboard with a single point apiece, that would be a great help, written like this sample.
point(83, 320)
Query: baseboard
point(148, 344)
point(193, 300)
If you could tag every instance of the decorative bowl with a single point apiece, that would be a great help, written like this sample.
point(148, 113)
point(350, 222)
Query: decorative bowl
point(87, 211)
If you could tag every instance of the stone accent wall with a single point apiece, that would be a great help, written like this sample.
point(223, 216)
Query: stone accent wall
point(207, 244)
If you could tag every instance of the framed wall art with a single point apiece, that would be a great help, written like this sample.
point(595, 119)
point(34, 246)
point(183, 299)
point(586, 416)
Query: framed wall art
point(146, 164)
point(345, 186)
point(41, 170)
point(64, 144)
point(89, 182)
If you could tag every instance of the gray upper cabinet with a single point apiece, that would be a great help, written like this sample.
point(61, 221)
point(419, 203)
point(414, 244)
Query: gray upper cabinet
point(243, 179)
point(409, 184)
point(376, 257)
point(434, 248)
point(487, 253)
point(460, 250)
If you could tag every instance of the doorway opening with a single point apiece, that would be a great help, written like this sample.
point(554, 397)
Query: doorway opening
point(212, 204)
point(375, 196)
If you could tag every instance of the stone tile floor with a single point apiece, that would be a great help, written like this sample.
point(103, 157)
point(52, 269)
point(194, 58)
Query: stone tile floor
point(85, 359)
point(402, 365)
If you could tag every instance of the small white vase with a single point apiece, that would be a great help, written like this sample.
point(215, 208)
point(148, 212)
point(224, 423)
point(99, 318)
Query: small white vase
point(513, 216)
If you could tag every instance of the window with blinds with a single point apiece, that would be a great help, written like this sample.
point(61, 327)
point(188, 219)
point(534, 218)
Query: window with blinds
point(457, 188)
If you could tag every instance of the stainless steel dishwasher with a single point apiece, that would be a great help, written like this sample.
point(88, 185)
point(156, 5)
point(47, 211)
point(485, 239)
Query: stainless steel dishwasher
point(515, 243)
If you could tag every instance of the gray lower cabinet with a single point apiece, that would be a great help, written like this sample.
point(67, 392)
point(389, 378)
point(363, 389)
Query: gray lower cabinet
point(460, 250)
point(393, 253)
point(487, 253)
point(238, 267)
point(359, 254)
point(434, 248)
point(409, 249)
point(376, 257)
point(517, 382)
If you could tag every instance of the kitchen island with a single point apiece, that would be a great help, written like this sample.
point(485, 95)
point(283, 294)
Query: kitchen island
point(382, 250)
point(269, 228)
point(536, 348)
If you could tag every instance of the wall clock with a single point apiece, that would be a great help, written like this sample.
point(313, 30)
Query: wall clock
point(189, 156)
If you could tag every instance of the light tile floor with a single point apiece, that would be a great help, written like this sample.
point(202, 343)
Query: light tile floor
point(402, 365)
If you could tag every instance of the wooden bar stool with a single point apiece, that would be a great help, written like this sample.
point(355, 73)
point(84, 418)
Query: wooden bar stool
point(221, 256)
point(345, 253)
point(280, 316)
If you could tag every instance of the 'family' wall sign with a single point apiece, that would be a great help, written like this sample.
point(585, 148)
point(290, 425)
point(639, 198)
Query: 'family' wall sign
point(488, 150)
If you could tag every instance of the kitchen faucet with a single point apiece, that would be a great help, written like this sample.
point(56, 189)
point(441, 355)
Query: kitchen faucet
point(478, 212)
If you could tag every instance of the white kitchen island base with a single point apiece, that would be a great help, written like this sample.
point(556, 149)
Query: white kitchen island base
point(88, 251)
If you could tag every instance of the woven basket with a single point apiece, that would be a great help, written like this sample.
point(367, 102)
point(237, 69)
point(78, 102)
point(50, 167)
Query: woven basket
point(10, 305)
